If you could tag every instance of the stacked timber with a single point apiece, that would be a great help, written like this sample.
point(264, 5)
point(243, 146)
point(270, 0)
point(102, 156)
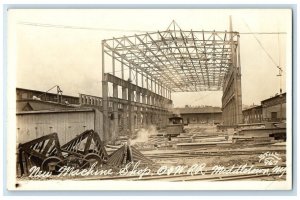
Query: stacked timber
point(202, 144)
point(260, 135)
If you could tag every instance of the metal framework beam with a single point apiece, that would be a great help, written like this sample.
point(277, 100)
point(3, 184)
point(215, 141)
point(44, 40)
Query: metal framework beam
point(169, 61)
point(184, 61)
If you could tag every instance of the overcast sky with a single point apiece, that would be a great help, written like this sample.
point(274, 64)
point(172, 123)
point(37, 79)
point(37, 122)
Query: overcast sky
point(63, 47)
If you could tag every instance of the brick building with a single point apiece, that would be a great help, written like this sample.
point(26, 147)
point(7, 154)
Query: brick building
point(272, 109)
point(200, 115)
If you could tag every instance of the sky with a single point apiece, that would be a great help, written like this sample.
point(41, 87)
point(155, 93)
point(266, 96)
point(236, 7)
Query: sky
point(63, 47)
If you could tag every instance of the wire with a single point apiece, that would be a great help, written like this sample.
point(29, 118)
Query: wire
point(77, 27)
point(279, 59)
point(263, 33)
point(45, 25)
point(259, 42)
point(48, 90)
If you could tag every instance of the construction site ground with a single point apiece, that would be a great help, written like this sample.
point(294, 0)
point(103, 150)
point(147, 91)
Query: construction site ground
point(199, 144)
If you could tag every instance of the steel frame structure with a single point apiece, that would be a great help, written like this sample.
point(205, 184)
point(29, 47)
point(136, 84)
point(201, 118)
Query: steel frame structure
point(177, 60)
point(183, 61)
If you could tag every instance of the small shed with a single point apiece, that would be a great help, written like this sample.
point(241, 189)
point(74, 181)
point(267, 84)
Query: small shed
point(175, 120)
point(175, 126)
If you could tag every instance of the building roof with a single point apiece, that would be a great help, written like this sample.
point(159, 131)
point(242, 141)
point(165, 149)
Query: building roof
point(51, 93)
point(253, 107)
point(56, 111)
point(175, 117)
point(195, 110)
point(34, 104)
point(264, 101)
point(276, 96)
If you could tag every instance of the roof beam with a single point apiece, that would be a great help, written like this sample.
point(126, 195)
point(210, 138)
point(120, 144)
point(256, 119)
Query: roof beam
point(190, 58)
point(166, 67)
point(173, 55)
point(181, 60)
point(206, 60)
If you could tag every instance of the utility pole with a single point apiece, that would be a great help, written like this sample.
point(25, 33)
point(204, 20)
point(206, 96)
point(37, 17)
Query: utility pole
point(280, 80)
point(280, 91)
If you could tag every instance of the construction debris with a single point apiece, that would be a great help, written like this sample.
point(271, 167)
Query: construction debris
point(87, 146)
point(197, 144)
point(126, 154)
point(81, 152)
point(44, 152)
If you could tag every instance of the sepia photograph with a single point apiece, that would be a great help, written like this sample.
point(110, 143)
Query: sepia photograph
point(149, 99)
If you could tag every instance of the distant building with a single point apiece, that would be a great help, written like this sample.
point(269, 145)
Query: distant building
point(252, 115)
point(34, 100)
point(39, 113)
point(272, 109)
point(200, 115)
point(25, 94)
point(66, 123)
point(35, 105)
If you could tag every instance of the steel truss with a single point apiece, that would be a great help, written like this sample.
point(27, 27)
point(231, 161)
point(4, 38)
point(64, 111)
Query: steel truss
point(183, 61)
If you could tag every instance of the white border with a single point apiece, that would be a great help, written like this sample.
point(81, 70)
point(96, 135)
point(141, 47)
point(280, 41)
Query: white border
point(42, 186)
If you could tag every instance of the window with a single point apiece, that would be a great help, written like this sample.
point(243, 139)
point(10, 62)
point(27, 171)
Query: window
point(24, 95)
point(273, 115)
